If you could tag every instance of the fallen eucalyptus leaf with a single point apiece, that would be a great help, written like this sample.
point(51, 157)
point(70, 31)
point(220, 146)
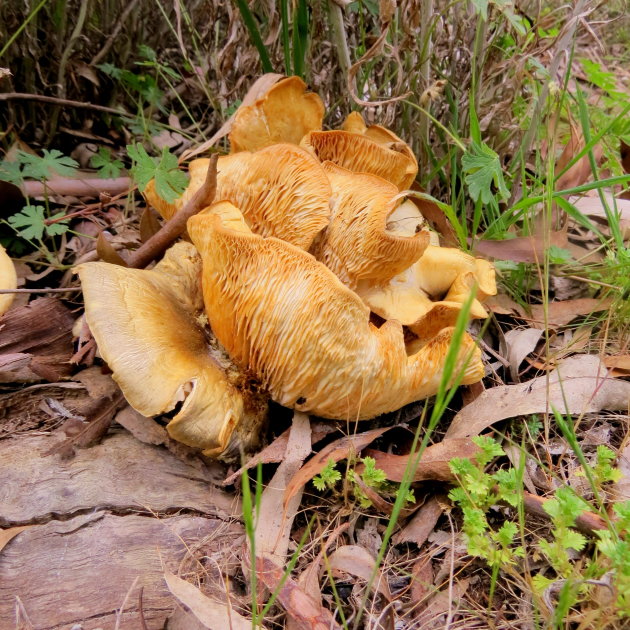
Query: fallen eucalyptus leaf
point(579, 385)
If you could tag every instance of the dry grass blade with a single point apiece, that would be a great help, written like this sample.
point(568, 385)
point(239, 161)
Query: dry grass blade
point(214, 614)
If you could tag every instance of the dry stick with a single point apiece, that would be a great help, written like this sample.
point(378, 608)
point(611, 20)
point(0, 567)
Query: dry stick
point(3, 291)
point(587, 522)
point(174, 228)
point(112, 37)
point(24, 96)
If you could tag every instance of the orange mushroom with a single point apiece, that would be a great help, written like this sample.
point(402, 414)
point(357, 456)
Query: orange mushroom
point(282, 190)
point(289, 320)
point(360, 243)
point(8, 280)
point(148, 331)
point(363, 149)
point(284, 114)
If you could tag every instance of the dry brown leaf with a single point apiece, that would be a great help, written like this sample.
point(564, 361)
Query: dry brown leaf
point(145, 429)
point(337, 450)
point(421, 523)
point(621, 488)
point(107, 252)
point(519, 343)
point(307, 614)
point(433, 463)
point(581, 381)
point(149, 224)
point(502, 304)
point(6, 535)
point(275, 518)
point(529, 249)
point(357, 561)
point(440, 603)
point(421, 583)
point(214, 614)
point(561, 313)
point(592, 206)
point(619, 365)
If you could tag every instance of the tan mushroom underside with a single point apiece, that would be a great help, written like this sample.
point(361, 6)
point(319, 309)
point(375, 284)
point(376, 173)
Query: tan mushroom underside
point(362, 149)
point(430, 294)
point(307, 337)
point(147, 333)
point(285, 114)
point(358, 244)
point(8, 280)
point(282, 190)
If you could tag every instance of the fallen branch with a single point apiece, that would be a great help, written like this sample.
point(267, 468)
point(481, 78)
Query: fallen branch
point(66, 186)
point(174, 228)
point(587, 522)
point(23, 96)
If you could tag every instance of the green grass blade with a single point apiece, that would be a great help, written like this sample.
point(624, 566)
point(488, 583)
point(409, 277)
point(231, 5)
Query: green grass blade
point(300, 36)
point(254, 33)
point(286, 37)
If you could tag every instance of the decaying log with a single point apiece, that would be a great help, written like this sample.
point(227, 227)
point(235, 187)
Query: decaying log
point(120, 474)
point(80, 571)
point(104, 524)
point(36, 342)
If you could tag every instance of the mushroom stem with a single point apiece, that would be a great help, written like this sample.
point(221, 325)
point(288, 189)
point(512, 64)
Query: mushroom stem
point(174, 228)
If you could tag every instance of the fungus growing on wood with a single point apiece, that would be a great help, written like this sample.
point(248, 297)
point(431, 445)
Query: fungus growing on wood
point(282, 191)
point(286, 113)
point(363, 149)
point(289, 320)
point(148, 332)
point(8, 280)
point(361, 242)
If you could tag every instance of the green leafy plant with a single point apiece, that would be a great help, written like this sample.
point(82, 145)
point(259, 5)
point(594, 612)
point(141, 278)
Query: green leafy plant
point(370, 476)
point(107, 165)
point(30, 223)
point(170, 182)
point(42, 168)
point(478, 491)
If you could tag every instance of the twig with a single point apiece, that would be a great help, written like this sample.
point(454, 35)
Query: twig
point(24, 96)
point(586, 522)
point(122, 19)
point(169, 232)
point(67, 290)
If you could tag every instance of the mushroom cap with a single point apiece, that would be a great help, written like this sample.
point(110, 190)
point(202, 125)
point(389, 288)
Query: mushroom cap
point(282, 191)
point(289, 320)
point(160, 356)
point(8, 280)
point(362, 242)
point(284, 114)
point(430, 294)
point(362, 149)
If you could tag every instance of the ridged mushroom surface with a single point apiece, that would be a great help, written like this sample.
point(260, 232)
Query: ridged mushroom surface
point(8, 280)
point(289, 320)
point(363, 149)
point(286, 113)
point(282, 191)
point(149, 335)
point(360, 243)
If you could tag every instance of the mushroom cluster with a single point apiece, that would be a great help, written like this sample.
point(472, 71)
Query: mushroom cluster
point(311, 280)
